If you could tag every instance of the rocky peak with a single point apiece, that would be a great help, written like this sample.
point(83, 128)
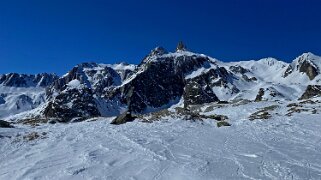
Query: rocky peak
point(90, 75)
point(307, 63)
point(158, 51)
point(180, 47)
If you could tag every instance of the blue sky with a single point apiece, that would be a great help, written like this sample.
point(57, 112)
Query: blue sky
point(53, 36)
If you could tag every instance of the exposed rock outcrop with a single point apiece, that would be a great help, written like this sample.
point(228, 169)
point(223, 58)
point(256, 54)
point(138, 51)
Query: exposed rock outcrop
point(71, 104)
point(311, 91)
point(123, 118)
point(5, 124)
point(194, 94)
point(259, 95)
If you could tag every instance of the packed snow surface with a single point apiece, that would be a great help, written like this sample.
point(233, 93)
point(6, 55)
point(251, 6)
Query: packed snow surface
point(282, 147)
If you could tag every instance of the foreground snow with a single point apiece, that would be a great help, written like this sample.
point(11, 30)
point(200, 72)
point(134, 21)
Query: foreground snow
point(282, 147)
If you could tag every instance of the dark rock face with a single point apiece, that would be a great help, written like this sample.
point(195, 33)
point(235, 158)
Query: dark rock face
point(5, 124)
point(259, 95)
point(95, 82)
point(288, 71)
point(99, 79)
point(311, 91)
point(157, 81)
point(123, 118)
point(238, 69)
point(161, 81)
point(24, 80)
point(198, 90)
point(309, 70)
point(305, 65)
point(72, 103)
point(194, 93)
point(156, 86)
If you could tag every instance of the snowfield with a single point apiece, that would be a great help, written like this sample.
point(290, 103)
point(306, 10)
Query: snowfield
point(281, 147)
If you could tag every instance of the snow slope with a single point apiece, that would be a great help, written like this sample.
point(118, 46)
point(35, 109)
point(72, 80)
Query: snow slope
point(282, 147)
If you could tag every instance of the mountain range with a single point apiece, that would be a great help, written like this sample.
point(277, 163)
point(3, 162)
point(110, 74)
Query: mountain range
point(161, 80)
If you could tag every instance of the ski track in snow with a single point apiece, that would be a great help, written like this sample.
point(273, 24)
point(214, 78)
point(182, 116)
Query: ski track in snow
point(279, 148)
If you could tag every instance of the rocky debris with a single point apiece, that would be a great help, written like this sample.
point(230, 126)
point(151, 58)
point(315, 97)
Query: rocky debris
point(259, 95)
point(5, 124)
point(311, 91)
point(33, 121)
point(260, 115)
point(293, 105)
point(223, 123)
point(303, 106)
point(123, 118)
point(155, 116)
point(34, 135)
point(195, 115)
point(309, 101)
point(298, 109)
point(216, 117)
point(263, 113)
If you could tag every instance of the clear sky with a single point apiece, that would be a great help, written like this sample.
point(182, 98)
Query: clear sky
point(54, 35)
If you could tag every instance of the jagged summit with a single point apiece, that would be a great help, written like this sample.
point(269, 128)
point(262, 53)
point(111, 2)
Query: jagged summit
point(158, 51)
point(307, 63)
point(181, 47)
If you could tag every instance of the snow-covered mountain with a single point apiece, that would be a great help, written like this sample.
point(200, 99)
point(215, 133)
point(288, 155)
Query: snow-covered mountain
point(21, 92)
point(195, 117)
point(163, 79)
